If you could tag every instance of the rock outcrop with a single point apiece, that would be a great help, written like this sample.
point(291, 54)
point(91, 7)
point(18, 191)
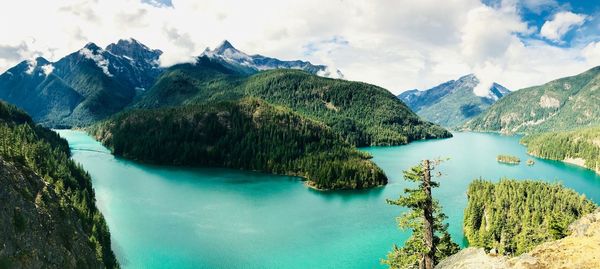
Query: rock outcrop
point(581, 249)
point(37, 232)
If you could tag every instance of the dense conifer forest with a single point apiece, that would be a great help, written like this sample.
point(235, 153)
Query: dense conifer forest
point(363, 114)
point(248, 134)
point(514, 216)
point(42, 151)
point(581, 143)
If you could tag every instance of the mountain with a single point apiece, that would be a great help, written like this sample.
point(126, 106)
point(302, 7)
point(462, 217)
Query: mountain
point(580, 147)
point(243, 63)
point(281, 121)
point(246, 134)
point(48, 215)
point(454, 102)
point(82, 87)
point(562, 104)
point(361, 113)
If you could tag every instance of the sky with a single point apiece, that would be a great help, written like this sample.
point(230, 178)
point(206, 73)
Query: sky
point(397, 44)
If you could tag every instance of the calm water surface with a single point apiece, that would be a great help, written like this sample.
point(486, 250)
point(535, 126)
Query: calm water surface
point(164, 217)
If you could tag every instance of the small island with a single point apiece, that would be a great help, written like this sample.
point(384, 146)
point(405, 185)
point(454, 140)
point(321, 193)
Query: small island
point(530, 162)
point(508, 159)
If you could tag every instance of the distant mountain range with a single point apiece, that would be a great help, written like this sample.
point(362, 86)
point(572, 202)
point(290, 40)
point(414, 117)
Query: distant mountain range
point(454, 102)
point(562, 104)
point(94, 83)
point(84, 86)
point(241, 62)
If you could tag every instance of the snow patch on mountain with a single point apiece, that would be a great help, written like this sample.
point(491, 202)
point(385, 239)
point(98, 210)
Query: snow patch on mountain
point(31, 65)
point(47, 69)
point(100, 61)
point(228, 54)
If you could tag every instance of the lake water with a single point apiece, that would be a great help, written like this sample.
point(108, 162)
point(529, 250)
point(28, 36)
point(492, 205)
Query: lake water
point(165, 217)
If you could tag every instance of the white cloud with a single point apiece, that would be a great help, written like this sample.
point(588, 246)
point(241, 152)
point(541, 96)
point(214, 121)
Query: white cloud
point(100, 61)
point(31, 65)
point(397, 44)
point(47, 69)
point(561, 24)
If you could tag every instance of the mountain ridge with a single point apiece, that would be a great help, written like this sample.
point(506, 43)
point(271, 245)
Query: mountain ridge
point(247, 64)
point(453, 102)
point(562, 104)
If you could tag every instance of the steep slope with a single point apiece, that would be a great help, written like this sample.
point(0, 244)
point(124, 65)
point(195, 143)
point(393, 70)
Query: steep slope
point(452, 103)
point(580, 147)
point(578, 250)
point(82, 87)
point(362, 113)
point(248, 134)
point(243, 63)
point(48, 215)
point(513, 216)
point(562, 104)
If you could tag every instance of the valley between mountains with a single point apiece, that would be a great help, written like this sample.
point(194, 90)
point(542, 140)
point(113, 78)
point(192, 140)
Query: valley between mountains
point(226, 109)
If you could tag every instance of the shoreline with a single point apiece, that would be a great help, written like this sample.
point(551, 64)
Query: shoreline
point(580, 162)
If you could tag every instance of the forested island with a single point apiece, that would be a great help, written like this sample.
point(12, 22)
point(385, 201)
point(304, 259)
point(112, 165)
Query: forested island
point(580, 147)
point(48, 212)
point(508, 159)
point(249, 134)
point(513, 216)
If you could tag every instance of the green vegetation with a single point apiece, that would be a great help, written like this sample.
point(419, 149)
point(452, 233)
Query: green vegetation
point(452, 103)
point(514, 216)
point(509, 159)
point(361, 113)
point(578, 144)
point(564, 104)
point(45, 153)
point(206, 114)
point(248, 134)
point(430, 241)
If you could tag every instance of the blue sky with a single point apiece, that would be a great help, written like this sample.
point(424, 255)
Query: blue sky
point(538, 12)
point(396, 44)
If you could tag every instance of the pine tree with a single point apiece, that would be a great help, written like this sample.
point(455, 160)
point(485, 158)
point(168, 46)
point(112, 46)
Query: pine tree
point(430, 241)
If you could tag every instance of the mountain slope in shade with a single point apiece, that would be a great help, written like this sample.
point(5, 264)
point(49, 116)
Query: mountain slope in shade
point(243, 63)
point(453, 102)
point(82, 87)
point(562, 104)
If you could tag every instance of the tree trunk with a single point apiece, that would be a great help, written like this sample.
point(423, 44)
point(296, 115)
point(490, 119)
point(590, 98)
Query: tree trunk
point(428, 214)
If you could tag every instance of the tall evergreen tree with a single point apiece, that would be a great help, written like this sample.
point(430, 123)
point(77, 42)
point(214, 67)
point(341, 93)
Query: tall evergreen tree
point(430, 241)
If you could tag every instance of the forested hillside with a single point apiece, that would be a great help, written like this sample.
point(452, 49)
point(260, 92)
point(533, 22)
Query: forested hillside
point(248, 134)
point(452, 103)
point(563, 104)
point(48, 215)
point(362, 113)
point(581, 146)
point(514, 216)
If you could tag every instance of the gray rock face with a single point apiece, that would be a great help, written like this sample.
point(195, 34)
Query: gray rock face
point(36, 231)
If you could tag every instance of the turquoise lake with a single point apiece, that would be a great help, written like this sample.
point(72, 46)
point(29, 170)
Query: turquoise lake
point(165, 217)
